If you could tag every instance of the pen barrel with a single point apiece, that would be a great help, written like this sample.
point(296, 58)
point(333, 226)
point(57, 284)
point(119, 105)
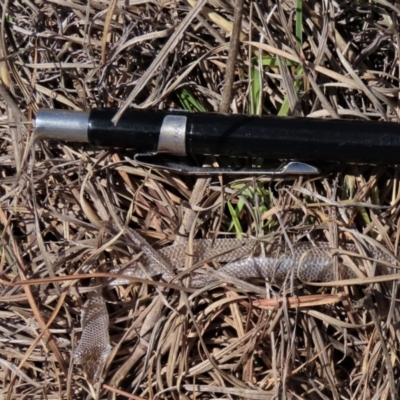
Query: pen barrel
point(267, 137)
point(295, 138)
point(138, 129)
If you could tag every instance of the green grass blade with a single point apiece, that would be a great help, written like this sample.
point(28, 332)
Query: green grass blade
point(188, 101)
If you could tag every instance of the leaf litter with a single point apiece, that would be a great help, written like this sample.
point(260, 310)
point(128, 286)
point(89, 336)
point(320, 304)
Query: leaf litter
point(252, 341)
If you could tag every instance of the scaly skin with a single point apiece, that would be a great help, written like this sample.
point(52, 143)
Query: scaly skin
point(308, 262)
point(244, 257)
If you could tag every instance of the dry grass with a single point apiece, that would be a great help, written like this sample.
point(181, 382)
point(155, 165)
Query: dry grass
point(304, 341)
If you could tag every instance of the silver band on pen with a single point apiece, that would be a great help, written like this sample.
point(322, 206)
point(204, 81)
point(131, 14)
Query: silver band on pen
point(172, 137)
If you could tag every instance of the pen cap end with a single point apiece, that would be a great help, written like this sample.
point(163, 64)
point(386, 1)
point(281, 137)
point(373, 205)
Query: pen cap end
point(66, 125)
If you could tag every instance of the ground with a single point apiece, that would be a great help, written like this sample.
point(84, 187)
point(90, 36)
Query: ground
point(309, 59)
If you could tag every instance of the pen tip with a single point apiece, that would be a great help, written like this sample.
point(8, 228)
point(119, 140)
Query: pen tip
point(62, 125)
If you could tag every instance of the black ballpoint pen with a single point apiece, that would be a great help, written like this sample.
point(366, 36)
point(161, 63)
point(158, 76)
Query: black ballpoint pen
point(151, 132)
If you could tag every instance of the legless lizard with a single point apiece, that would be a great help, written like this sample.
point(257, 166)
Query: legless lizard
point(308, 262)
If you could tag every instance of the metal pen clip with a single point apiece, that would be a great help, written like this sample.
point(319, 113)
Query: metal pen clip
point(293, 168)
point(172, 142)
